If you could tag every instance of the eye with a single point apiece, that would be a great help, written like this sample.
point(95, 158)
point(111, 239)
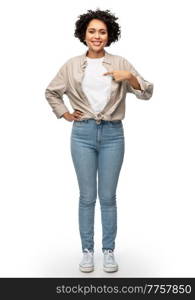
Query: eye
point(102, 32)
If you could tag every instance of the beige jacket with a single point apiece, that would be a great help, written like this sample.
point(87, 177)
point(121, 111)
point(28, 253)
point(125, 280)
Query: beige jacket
point(68, 81)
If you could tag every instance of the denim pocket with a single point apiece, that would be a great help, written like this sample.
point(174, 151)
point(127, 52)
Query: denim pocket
point(78, 123)
point(116, 123)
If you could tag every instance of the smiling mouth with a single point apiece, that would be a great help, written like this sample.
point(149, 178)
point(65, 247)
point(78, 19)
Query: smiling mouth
point(96, 43)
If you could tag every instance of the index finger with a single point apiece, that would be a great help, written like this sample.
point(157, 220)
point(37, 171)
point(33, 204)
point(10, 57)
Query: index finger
point(108, 73)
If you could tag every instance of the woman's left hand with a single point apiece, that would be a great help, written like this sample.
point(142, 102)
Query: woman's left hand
point(119, 75)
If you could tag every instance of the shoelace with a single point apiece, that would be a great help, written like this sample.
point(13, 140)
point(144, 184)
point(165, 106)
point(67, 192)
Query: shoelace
point(86, 253)
point(109, 255)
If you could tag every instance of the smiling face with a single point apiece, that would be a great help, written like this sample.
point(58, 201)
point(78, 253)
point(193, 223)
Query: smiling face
point(96, 36)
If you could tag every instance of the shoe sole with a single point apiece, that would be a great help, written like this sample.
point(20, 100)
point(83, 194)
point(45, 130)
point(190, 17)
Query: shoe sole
point(110, 270)
point(86, 270)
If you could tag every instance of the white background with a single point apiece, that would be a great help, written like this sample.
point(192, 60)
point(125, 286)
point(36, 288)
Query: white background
point(39, 193)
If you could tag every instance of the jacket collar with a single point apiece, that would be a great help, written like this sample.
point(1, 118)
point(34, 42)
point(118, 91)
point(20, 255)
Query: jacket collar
point(107, 58)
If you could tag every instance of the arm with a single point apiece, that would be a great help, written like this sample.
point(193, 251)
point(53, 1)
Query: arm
point(55, 90)
point(136, 84)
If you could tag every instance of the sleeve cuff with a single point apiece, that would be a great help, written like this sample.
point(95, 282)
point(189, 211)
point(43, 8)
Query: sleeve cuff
point(60, 111)
point(146, 89)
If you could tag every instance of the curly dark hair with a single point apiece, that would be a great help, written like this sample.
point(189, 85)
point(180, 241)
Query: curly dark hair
point(106, 16)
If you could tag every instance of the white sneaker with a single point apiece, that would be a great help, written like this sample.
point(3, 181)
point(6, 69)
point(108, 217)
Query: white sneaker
point(110, 265)
point(87, 263)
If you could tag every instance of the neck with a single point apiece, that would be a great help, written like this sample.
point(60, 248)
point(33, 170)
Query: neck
point(95, 54)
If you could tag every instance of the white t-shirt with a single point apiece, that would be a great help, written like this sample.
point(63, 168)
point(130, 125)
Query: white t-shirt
point(95, 85)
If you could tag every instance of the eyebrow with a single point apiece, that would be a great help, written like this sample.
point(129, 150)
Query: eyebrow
point(99, 29)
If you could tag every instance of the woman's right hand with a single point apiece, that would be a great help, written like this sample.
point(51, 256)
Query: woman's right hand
point(76, 115)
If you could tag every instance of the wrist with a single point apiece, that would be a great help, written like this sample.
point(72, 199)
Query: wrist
point(129, 76)
point(65, 114)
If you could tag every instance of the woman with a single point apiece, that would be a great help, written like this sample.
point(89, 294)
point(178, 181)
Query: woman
point(96, 84)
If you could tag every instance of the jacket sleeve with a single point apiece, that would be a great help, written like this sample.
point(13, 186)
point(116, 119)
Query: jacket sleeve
point(146, 87)
point(55, 90)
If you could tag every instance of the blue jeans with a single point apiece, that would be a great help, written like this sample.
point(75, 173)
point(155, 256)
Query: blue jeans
point(97, 148)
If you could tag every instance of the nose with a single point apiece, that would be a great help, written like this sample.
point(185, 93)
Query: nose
point(96, 35)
